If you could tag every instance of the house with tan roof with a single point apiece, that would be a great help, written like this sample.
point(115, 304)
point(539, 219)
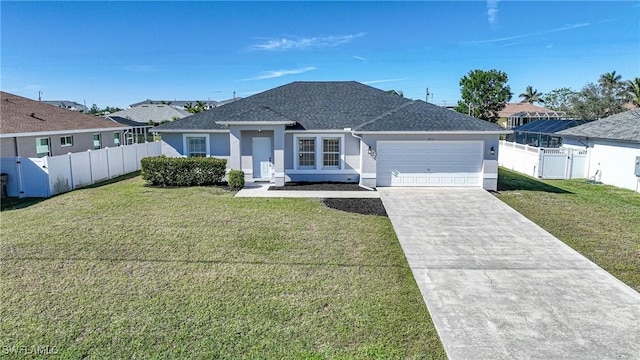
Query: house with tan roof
point(518, 114)
point(31, 128)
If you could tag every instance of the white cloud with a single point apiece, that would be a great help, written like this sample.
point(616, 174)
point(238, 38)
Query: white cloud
point(307, 43)
point(359, 58)
point(492, 11)
point(278, 73)
point(509, 38)
point(383, 81)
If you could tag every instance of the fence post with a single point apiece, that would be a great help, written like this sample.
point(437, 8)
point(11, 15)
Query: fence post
point(90, 166)
point(73, 187)
point(20, 178)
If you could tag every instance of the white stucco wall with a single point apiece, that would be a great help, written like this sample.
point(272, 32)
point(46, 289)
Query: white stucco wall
point(615, 162)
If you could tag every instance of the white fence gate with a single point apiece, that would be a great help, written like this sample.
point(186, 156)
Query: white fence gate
point(545, 163)
point(52, 175)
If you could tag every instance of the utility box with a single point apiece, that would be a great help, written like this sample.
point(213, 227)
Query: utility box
point(637, 165)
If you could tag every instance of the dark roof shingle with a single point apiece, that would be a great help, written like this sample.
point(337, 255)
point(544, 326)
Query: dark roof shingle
point(335, 106)
point(624, 126)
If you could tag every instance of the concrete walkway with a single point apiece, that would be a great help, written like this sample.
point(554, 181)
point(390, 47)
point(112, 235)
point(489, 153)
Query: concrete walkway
point(262, 190)
point(498, 286)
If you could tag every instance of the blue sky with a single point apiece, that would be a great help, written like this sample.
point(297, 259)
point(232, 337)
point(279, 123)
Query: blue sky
point(119, 53)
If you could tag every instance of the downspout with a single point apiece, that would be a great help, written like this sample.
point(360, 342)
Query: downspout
point(361, 142)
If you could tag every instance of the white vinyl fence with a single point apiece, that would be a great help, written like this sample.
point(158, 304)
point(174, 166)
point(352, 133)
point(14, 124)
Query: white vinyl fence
point(52, 175)
point(544, 163)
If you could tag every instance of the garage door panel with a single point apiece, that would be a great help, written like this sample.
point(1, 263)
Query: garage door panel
point(433, 163)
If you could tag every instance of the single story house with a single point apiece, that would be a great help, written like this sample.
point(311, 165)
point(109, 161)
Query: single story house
point(31, 128)
point(184, 104)
point(516, 114)
point(614, 148)
point(155, 113)
point(343, 132)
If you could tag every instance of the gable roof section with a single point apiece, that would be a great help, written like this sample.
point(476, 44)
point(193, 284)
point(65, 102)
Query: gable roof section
point(153, 112)
point(512, 108)
point(624, 126)
point(22, 115)
point(333, 105)
point(421, 116)
point(127, 122)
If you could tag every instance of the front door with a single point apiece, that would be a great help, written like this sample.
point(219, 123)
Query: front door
point(262, 157)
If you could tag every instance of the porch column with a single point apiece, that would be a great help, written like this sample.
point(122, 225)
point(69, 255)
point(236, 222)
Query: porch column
point(234, 149)
point(278, 155)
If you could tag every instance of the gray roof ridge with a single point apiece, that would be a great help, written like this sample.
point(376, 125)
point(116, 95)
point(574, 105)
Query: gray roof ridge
point(410, 102)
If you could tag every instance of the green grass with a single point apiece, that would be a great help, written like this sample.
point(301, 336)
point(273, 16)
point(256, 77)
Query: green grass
point(129, 271)
point(601, 222)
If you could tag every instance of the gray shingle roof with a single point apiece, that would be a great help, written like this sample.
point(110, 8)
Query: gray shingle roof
point(422, 116)
point(125, 121)
point(335, 106)
point(154, 112)
point(623, 126)
point(260, 114)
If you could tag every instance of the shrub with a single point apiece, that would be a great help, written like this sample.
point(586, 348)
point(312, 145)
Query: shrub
point(165, 171)
point(236, 178)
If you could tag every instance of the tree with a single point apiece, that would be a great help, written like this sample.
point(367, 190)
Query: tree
point(396, 92)
point(633, 90)
point(611, 80)
point(531, 95)
point(595, 101)
point(560, 99)
point(94, 110)
point(198, 107)
point(484, 94)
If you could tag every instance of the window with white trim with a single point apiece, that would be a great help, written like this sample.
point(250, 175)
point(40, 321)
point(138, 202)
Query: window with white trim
point(306, 153)
point(196, 146)
point(66, 141)
point(96, 141)
point(330, 153)
point(42, 147)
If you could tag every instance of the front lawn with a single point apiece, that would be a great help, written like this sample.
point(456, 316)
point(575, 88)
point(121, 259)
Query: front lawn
point(129, 271)
point(599, 221)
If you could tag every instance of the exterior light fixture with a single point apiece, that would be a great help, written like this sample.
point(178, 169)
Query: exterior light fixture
point(369, 151)
point(492, 151)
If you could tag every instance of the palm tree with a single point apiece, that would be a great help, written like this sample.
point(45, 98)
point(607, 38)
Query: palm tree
point(396, 92)
point(611, 80)
point(531, 95)
point(633, 88)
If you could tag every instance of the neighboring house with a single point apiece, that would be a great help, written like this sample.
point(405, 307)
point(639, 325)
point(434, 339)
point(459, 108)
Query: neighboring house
point(516, 114)
point(342, 131)
point(64, 104)
point(542, 133)
point(138, 132)
point(32, 128)
point(614, 146)
point(156, 113)
point(183, 104)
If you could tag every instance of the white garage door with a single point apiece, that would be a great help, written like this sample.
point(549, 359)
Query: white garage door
point(429, 163)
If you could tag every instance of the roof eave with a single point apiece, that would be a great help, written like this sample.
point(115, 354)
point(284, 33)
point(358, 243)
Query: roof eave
point(190, 130)
point(63, 132)
point(463, 132)
point(228, 123)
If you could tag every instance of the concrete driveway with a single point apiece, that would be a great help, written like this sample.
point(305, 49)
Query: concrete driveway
point(500, 287)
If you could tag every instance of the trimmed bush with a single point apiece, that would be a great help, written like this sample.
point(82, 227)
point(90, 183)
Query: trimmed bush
point(195, 171)
point(236, 178)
